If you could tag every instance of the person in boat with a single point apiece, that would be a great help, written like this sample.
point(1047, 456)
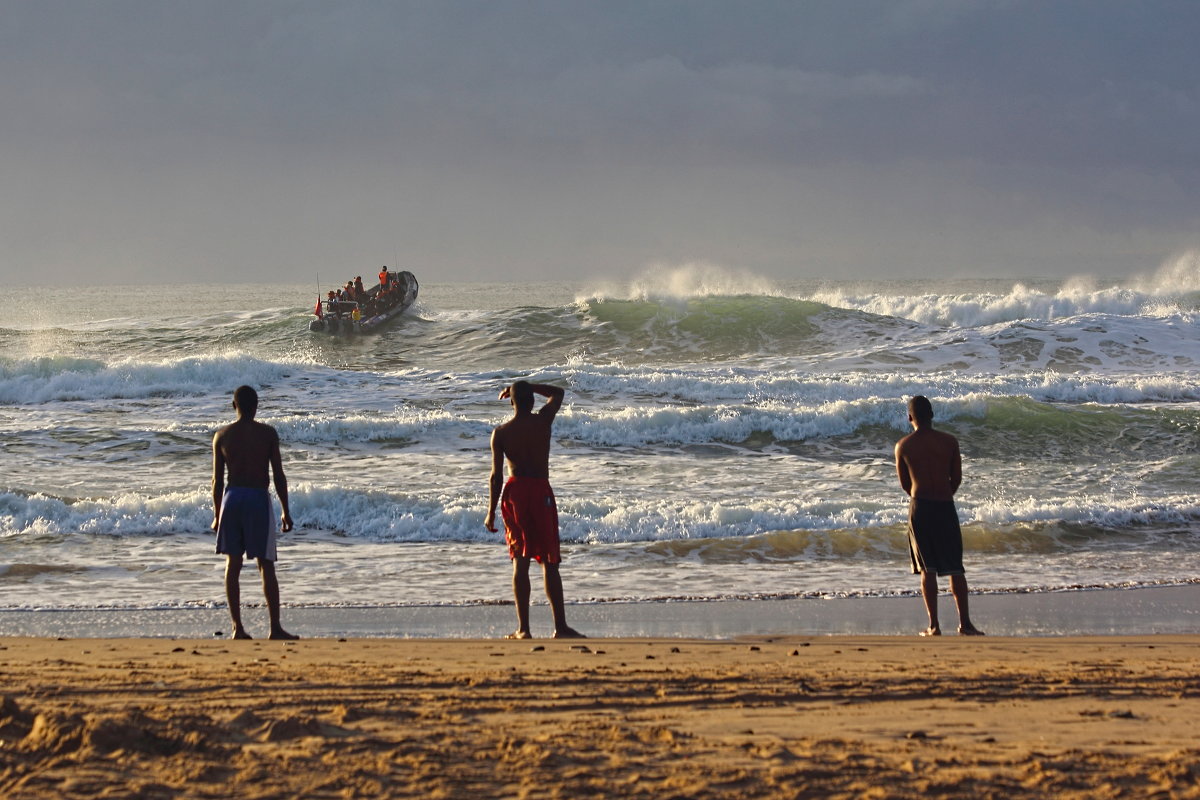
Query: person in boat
point(383, 279)
point(360, 293)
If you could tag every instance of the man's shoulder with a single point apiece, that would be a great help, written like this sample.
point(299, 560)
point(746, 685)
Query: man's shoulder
point(525, 420)
point(542, 421)
point(926, 438)
point(547, 411)
point(500, 432)
point(266, 431)
point(246, 428)
point(948, 438)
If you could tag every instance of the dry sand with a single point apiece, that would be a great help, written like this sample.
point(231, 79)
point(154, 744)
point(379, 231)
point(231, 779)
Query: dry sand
point(767, 717)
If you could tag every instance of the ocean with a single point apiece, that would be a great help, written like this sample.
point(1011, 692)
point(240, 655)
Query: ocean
point(724, 436)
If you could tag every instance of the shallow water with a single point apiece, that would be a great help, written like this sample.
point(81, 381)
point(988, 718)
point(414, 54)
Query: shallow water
point(723, 437)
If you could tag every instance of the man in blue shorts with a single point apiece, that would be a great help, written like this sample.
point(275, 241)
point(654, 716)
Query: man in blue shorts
point(242, 515)
point(929, 466)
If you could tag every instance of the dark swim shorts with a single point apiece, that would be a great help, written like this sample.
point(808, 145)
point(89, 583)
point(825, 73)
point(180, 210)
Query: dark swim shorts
point(934, 538)
point(530, 519)
point(247, 524)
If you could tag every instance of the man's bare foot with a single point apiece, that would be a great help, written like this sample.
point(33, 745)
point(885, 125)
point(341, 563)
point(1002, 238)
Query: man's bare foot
point(969, 630)
point(567, 633)
point(519, 635)
point(280, 633)
point(240, 633)
point(931, 632)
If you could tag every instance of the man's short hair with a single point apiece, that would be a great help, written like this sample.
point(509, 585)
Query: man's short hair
point(920, 408)
point(246, 399)
point(522, 395)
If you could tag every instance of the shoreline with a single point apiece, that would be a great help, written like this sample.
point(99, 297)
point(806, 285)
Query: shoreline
point(1091, 612)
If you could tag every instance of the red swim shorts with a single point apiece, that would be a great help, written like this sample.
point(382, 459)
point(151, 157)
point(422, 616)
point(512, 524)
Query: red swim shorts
point(530, 519)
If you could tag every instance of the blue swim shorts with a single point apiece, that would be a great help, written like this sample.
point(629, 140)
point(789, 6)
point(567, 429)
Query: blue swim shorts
point(247, 524)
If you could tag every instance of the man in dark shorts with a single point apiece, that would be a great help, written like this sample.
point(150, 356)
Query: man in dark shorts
point(527, 501)
point(242, 515)
point(929, 465)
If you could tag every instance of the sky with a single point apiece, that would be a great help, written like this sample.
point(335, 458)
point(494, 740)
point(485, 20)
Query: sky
point(145, 141)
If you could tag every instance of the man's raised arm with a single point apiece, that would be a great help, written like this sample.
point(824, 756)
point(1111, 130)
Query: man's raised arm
point(554, 397)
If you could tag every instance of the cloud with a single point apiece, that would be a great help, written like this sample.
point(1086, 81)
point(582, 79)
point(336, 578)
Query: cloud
point(225, 138)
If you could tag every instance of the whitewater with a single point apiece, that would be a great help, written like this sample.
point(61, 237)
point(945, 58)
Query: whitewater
point(723, 436)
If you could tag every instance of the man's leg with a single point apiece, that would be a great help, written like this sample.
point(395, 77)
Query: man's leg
point(271, 589)
point(558, 607)
point(521, 596)
point(929, 593)
point(233, 594)
point(958, 586)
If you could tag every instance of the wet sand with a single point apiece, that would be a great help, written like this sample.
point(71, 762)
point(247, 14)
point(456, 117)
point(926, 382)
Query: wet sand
point(1104, 612)
point(842, 716)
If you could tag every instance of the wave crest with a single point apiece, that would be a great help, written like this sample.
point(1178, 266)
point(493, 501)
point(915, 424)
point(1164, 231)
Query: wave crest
point(58, 378)
point(664, 283)
point(1171, 289)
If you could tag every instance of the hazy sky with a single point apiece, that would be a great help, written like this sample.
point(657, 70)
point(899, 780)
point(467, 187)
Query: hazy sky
point(252, 140)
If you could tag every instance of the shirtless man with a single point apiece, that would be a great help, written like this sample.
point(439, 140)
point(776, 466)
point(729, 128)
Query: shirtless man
point(242, 512)
point(527, 501)
point(929, 466)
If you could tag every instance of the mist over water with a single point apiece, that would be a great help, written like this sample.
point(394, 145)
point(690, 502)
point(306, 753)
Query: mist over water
point(723, 435)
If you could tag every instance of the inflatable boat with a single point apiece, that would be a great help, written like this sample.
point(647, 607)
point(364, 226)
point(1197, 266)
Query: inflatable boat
point(371, 311)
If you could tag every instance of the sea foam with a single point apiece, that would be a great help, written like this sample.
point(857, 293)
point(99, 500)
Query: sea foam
point(1170, 290)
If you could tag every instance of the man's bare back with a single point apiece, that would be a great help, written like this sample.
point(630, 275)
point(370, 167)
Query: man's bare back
point(248, 449)
point(525, 443)
point(929, 464)
point(248, 452)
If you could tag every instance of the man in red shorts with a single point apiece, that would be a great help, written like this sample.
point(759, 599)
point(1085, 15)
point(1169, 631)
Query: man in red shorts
point(527, 501)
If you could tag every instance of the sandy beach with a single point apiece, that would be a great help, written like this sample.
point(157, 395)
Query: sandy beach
point(841, 716)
